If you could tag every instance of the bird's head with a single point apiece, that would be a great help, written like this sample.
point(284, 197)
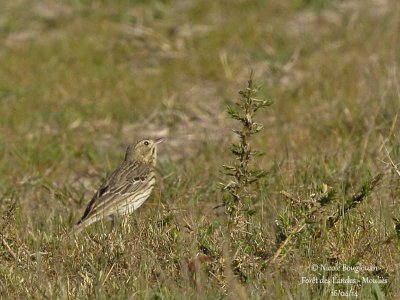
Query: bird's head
point(144, 151)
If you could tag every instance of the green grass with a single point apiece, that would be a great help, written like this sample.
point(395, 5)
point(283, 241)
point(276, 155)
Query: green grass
point(79, 80)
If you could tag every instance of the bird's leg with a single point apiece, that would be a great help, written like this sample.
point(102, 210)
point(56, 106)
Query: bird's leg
point(112, 221)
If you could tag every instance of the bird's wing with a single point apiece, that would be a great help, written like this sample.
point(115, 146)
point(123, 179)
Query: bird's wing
point(118, 188)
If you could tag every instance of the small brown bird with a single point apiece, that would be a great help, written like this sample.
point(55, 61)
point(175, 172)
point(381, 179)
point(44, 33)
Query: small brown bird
point(126, 188)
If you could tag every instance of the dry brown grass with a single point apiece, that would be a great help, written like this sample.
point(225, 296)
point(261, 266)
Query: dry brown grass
point(80, 80)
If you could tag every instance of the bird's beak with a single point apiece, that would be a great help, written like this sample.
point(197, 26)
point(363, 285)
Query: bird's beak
point(157, 141)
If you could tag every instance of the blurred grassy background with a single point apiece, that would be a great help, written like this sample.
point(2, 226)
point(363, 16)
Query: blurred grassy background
point(79, 80)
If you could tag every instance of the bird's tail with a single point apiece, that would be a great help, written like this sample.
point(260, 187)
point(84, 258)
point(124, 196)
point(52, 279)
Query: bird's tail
point(82, 224)
point(77, 228)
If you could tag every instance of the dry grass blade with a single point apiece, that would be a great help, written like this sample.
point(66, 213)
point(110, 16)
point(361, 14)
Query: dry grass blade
point(396, 169)
point(80, 81)
point(287, 240)
point(9, 250)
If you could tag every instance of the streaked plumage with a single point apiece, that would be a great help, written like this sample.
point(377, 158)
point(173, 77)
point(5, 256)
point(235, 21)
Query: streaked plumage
point(127, 187)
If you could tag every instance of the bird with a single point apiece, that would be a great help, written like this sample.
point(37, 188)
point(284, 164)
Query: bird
point(126, 188)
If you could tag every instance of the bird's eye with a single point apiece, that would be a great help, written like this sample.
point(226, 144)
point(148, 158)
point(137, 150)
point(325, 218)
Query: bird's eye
point(146, 143)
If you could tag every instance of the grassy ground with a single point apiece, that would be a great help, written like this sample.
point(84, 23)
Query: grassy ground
point(79, 80)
